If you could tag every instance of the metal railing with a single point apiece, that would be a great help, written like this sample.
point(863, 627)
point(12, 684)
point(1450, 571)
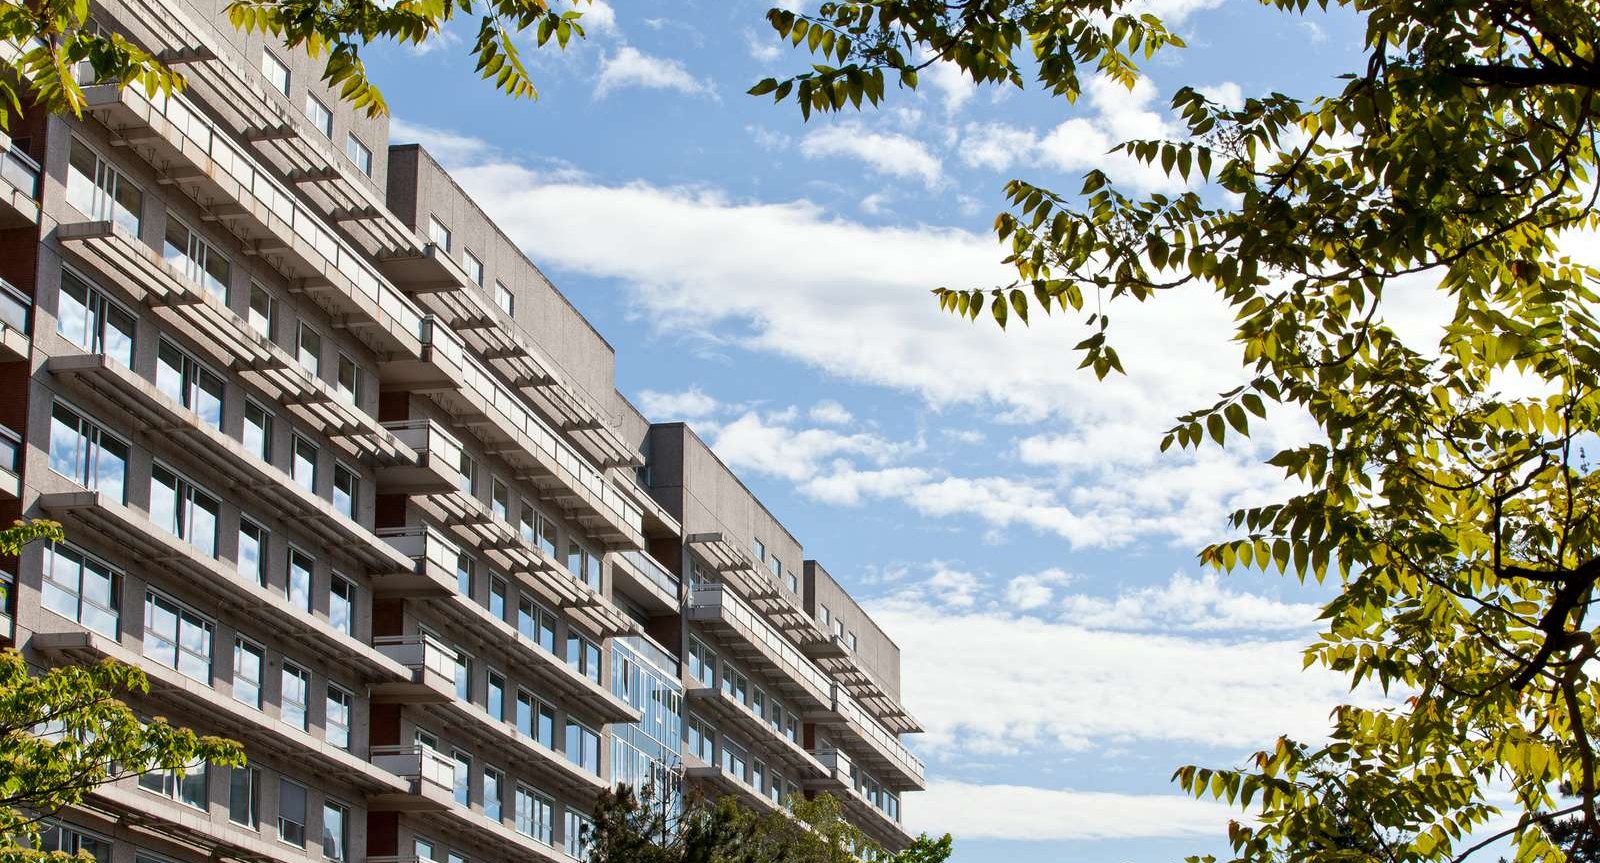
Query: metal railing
point(304, 223)
point(416, 761)
point(428, 438)
point(15, 307)
point(423, 544)
point(758, 630)
point(652, 569)
point(888, 742)
point(20, 170)
point(419, 652)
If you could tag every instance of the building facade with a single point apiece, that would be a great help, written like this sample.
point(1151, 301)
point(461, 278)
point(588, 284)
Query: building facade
point(350, 479)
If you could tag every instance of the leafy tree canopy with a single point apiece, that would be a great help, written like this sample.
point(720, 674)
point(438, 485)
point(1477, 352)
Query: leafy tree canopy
point(1447, 493)
point(56, 40)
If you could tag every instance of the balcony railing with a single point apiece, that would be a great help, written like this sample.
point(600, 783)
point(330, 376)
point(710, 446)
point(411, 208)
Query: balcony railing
point(418, 763)
point(647, 649)
point(715, 598)
point(15, 308)
point(438, 465)
point(432, 664)
point(876, 735)
point(20, 170)
point(653, 570)
point(19, 204)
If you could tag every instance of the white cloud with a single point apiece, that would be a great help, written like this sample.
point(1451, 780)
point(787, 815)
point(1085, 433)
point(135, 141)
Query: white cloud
point(1035, 590)
point(630, 67)
point(1192, 604)
point(449, 148)
point(953, 84)
point(598, 17)
point(830, 412)
point(768, 445)
point(763, 46)
point(691, 404)
point(846, 485)
point(997, 146)
point(1031, 682)
point(980, 811)
point(1227, 94)
point(876, 204)
point(886, 153)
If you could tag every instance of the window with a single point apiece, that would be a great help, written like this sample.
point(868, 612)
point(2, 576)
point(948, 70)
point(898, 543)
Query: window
point(702, 663)
point(463, 668)
point(824, 615)
point(461, 787)
point(576, 833)
point(84, 453)
point(82, 588)
point(760, 548)
point(100, 192)
point(734, 758)
point(257, 435)
point(347, 384)
point(794, 583)
point(59, 837)
point(583, 656)
point(277, 73)
point(308, 350)
point(319, 115)
point(291, 813)
point(852, 640)
point(304, 465)
point(90, 320)
point(493, 781)
point(532, 813)
point(336, 725)
point(497, 597)
point(464, 573)
point(583, 747)
point(758, 776)
point(252, 552)
point(359, 153)
point(473, 266)
point(734, 684)
point(503, 298)
point(500, 500)
point(342, 604)
point(177, 637)
point(469, 474)
point(191, 255)
point(244, 796)
point(293, 700)
point(494, 696)
point(535, 719)
point(248, 661)
point(189, 789)
point(335, 830)
point(438, 233)
point(702, 740)
point(297, 585)
point(758, 702)
point(346, 487)
point(775, 566)
point(263, 315)
point(583, 564)
point(183, 510)
point(423, 848)
point(536, 529)
point(536, 623)
point(838, 628)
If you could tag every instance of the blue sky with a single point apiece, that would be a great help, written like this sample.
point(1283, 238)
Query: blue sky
point(1005, 517)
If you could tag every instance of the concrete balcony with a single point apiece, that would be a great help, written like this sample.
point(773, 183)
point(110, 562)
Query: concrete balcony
point(433, 563)
point(10, 464)
point(486, 635)
point(437, 368)
point(756, 585)
point(437, 460)
point(236, 468)
point(19, 186)
point(745, 634)
point(430, 666)
point(872, 697)
point(239, 192)
point(429, 778)
point(16, 314)
point(840, 782)
point(220, 839)
point(228, 340)
point(718, 783)
point(876, 748)
point(643, 579)
point(212, 711)
point(143, 542)
point(733, 715)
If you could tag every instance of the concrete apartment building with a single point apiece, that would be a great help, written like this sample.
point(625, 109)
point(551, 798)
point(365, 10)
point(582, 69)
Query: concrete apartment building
point(351, 481)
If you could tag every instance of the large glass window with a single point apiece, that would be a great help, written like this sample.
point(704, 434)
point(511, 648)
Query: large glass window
point(702, 663)
point(473, 266)
point(462, 787)
point(177, 636)
point(584, 656)
point(189, 789)
point(439, 233)
point(84, 453)
point(297, 586)
point(263, 312)
point(576, 830)
point(319, 115)
point(347, 383)
point(248, 662)
point(342, 604)
point(335, 831)
point(533, 814)
point(308, 350)
point(583, 564)
point(463, 668)
point(82, 588)
point(191, 255)
point(70, 840)
point(734, 758)
point(499, 500)
point(583, 746)
point(94, 322)
point(252, 552)
point(494, 694)
point(702, 740)
point(100, 192)
point(493, 788)
point(337, 722)
point(291, 813)
point(346, 488)
point(503, 298)
point(183, 510)
point(464, 573)
point(294, 697)
point(244, 796)
point(189, 383)
point(304, 466)
point(359, 153)
point(536, 623)
point(734, 684)
point(497, 597)
point(535, 719)
point(277, 74)
point(258, 430)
